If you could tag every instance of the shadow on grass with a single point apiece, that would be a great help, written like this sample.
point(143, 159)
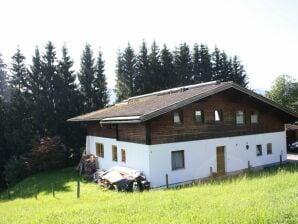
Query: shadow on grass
point(42, 183)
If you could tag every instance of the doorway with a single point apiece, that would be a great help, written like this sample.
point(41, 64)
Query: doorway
point(220, 160)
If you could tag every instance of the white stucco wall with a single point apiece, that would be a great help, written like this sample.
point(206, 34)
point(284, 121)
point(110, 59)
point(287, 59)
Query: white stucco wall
point(137, 155)
point(155, 160)
point(200, 155)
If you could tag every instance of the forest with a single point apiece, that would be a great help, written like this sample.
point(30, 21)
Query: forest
point(37, 98)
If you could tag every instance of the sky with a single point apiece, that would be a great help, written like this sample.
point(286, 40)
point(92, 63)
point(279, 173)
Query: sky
point(263, 33)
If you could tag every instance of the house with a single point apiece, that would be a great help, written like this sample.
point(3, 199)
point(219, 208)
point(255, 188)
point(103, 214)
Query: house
point(189, 132)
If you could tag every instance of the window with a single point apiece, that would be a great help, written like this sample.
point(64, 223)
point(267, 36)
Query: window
point(177, 160)
point(99, 150)
point(114, 153)
point(218, 115)
point(178, 117)
point(254, 117)
point(269, 148)
point(199, 115)
point(259, 150)
point(240, 118)
point(123, 155)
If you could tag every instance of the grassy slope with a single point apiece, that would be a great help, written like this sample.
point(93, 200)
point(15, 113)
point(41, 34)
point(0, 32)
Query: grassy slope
point(270, 196)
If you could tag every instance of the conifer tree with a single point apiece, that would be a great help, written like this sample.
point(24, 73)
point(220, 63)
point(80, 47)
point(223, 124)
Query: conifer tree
point(168, 78)
point(126, 74)
point(238, 73)
point(19, 76)
point(3, 78)
point(142, 81)
point(155, 68)
point(19, 123)
point(38, 93)
point(216, 65)
point(69, 104)
point(183, 65)
point(86, 77)
point(50, 89)
point(205, 65)
point(100, 96)
point(196, 69)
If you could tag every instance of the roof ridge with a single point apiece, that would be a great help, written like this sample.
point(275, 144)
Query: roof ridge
point(172, 90)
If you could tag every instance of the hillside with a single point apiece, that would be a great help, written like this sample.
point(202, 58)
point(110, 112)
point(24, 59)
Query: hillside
point(269, 196)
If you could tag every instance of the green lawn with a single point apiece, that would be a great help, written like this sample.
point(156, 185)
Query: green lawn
point(269, 196)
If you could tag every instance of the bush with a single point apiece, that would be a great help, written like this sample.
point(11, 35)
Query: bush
point(49, 153)
point(15, 170)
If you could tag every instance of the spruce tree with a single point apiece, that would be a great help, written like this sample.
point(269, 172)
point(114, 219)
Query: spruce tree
point(86, 78)
point(37, 86)
point(205, 65)
point(126, 74)
point(238, 73)
point(155, 69)
point(69, 104)
point(3, 78)
point(216, 65)
point(100, 96)
point(225, 67)
point(196, 69)
point(19, 72)
point(168, 78)
point(142, 81)
point(183, 65)
point(50, 87)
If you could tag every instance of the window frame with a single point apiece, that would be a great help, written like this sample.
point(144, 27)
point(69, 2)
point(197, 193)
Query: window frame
point(183, 160)
point(269, 149)
point(114, 153)
point(99, 147)
point(180, 115)
point(220, 115)
point(256, 113)
point(202, 116)
point(259, 153)
point(243, 116)
point(123, 155)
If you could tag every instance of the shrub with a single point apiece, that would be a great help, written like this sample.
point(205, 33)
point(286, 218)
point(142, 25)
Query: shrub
point(49, 153)
point(15, 170)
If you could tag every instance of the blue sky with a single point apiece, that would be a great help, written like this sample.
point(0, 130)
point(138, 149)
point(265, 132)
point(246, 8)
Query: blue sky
point(264, 34)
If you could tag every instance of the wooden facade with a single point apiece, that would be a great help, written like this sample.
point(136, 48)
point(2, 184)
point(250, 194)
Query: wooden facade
point(163, 130)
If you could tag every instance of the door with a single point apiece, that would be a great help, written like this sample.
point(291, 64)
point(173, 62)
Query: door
point(220, 159)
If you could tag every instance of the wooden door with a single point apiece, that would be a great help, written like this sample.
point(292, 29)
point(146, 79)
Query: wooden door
point(220, 159)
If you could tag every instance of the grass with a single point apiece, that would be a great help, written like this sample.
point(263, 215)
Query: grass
point(269, 196)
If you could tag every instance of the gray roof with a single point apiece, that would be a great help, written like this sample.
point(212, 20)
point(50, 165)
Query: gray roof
point(145, 107)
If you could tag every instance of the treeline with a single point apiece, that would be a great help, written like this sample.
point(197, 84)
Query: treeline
point(37, 99)
point(156, 69)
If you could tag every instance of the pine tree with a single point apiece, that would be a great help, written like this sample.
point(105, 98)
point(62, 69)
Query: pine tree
point(86, 77)
point(183, 65)
point(216, 65)
point(196, 69)
point(3, 79)
point(142, 81)
point(19, 72)
point(38, 94)
point(126, 74)
point(69, 104)
point(238, 73)
point(168, 78)
point(155, 68)
point(49, 88)
point(205, 65)
point(101, 96)
point(225, 67)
